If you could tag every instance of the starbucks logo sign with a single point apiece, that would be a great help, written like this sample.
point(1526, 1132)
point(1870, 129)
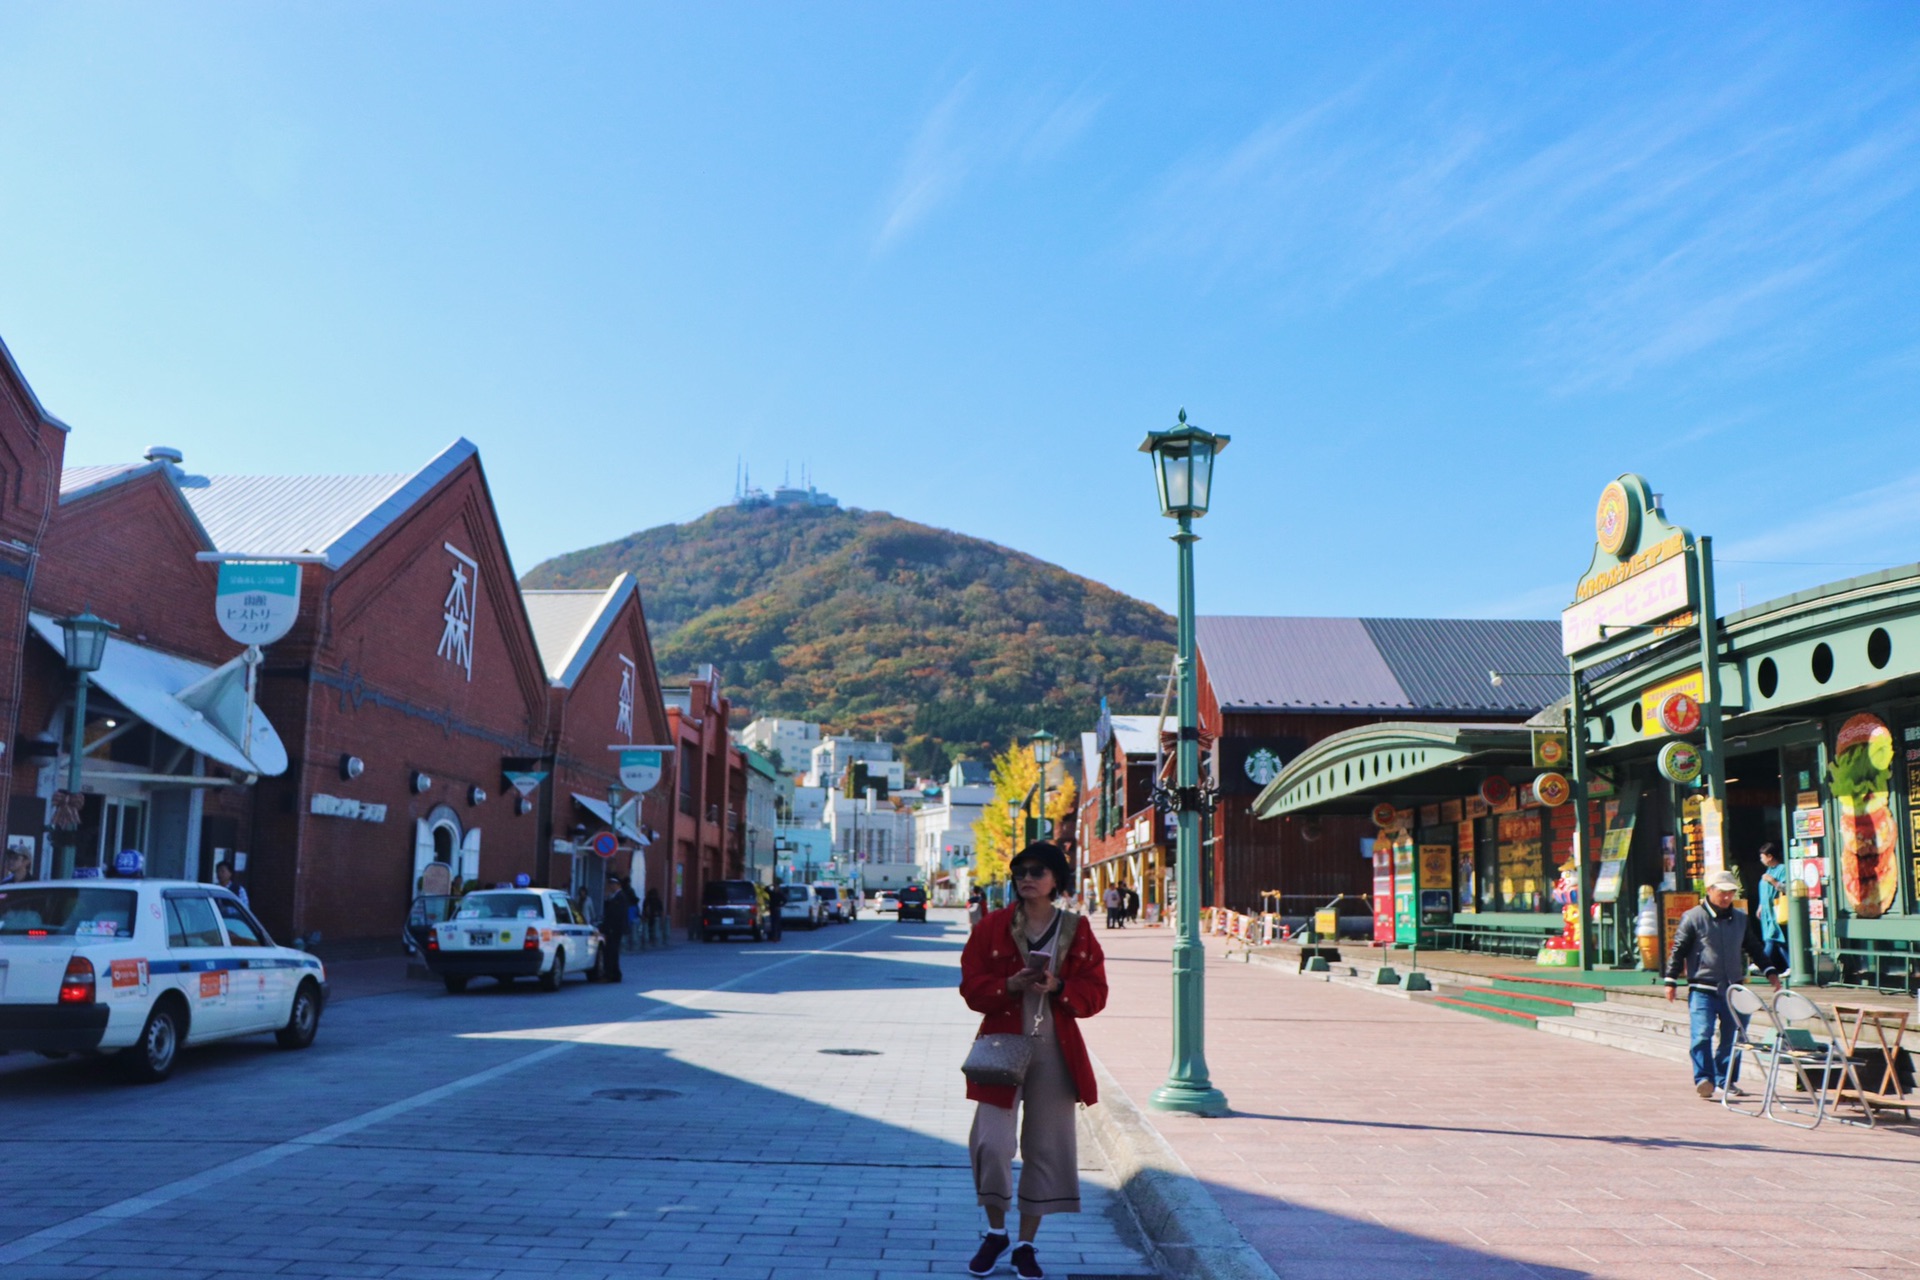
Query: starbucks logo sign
point(1262, 766)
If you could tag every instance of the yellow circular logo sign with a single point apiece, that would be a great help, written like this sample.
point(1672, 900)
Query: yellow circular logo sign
point(1614, 520)
point(1552, 789)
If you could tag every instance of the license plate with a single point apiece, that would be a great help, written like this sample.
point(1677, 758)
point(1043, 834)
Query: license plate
point(479, 939)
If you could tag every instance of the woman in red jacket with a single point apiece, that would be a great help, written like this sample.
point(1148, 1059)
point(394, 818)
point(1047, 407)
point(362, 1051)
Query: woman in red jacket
point(1045, 999)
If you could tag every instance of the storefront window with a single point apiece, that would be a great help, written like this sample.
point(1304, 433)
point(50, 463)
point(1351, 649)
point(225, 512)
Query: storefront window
point(1520, 872)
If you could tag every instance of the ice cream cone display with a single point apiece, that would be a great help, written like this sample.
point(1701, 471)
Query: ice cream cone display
point(1860, 777)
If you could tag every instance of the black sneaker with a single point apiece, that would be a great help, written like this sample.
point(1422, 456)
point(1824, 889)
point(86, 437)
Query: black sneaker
point(988, 1256)
point(1025, 1265)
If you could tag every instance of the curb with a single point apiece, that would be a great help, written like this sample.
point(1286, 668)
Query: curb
point(1187, 1233)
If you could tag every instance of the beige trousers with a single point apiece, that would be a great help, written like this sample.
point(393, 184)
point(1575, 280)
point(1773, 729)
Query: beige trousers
point(1041, 1124)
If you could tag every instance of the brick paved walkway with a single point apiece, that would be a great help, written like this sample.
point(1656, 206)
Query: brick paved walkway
point(433, 1137)
point(1375, 1137)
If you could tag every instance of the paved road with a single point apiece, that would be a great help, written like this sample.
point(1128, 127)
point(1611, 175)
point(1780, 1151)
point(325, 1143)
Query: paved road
point(1374, 1137)
point(513, 1132)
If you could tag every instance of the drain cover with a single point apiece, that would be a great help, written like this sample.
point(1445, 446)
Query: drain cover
point(641, 1093)
point(854, 1053)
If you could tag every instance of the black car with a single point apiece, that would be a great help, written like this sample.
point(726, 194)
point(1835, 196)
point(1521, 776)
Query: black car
point(913, 903)
point(731, 906)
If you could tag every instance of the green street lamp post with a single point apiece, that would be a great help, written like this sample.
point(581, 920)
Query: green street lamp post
point(1042, 756)
point(84, 639)
point(1183, 462)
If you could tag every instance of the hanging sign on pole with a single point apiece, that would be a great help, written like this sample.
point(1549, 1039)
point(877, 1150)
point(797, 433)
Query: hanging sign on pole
point(641, 767)
point(257, 602)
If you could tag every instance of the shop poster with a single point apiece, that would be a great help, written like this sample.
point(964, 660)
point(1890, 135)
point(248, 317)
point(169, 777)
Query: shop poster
point(1860, 777)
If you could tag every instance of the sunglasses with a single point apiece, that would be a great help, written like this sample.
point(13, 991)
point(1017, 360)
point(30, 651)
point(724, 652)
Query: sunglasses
point(1030, 872)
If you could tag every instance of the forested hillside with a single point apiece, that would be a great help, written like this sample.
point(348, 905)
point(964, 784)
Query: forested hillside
point(942, 643)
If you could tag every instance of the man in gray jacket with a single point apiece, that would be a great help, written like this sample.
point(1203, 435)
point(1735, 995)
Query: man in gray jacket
point(1710, 950)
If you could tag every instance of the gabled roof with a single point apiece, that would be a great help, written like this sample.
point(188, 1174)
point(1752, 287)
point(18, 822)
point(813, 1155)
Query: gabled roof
point(1138, 735)
point(6, 358)
point(331, 516)
point(1373, 665)
point(568, 626)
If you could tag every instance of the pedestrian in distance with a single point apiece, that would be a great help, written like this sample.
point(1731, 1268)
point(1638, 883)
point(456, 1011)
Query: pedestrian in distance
point(976, 906)
point(653, 918)
point(1035, 969)
point(614, 923)
point(1708, 949)
point(1129, 905)
point(1113, 901)
point(776, 898)
point(223, 876)
point(1774, 905)
point(19, 867)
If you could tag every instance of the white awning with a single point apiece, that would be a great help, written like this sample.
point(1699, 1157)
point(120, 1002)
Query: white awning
point(201, 707)
point(598, 808)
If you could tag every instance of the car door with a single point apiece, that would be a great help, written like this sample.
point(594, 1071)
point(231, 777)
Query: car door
point(199, 959)
point(567, 931)
point(257, 982)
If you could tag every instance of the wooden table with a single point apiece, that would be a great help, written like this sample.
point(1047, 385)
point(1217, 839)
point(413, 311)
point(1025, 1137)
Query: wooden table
point(1887, 1092)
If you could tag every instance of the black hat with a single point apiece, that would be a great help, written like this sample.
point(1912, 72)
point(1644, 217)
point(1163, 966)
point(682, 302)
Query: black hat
point(1050, 856)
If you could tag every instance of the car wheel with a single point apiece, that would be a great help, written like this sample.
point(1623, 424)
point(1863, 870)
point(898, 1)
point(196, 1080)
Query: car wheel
point(303, 1020)
point(455, 985)
point(598, 973)
point(759, 934)
point(150, 1058)
point(552, 978)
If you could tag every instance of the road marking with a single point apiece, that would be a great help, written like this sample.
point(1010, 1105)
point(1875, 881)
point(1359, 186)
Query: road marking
point(40, 1241)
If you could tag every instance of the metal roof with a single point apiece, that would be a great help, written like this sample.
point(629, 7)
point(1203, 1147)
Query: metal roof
point(1378, 665)
point(1137, 735)
point(75, 481)
point(568, 626)
point(334, 516)
point(282, 515)
point(1443, 663)
point(1300, 664)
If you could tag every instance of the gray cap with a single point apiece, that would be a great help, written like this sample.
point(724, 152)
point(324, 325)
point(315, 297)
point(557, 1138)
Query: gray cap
point(1723, 880)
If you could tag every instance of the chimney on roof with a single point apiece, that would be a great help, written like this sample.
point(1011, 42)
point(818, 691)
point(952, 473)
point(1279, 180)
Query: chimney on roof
point(165, 453)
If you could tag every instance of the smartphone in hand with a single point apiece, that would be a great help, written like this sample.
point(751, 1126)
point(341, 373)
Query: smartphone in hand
point(1037, 961)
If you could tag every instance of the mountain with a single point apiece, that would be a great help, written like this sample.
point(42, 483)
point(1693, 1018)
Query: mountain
point(944, 644)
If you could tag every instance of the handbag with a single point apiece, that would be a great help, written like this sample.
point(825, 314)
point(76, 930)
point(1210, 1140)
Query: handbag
point(1001, 1060)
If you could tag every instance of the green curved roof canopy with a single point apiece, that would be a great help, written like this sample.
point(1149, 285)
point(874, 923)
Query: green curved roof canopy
point(1405, 762)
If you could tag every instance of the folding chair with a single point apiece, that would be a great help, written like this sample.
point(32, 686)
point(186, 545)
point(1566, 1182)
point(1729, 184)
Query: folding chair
point(1814, 1062)
point(1745, 1004)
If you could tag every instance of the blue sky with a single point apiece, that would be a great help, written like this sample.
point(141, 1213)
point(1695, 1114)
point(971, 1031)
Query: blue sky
point(1440, 270)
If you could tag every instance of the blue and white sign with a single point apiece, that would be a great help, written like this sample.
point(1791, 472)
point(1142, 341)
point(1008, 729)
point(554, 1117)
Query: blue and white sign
point(257, 602)
point(129, 864)
point(640, 770)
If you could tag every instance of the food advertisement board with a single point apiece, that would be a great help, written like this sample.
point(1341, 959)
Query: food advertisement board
point(1860, 777)
point(1383, 891)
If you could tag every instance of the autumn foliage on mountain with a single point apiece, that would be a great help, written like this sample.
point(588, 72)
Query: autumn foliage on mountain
point(944, 644)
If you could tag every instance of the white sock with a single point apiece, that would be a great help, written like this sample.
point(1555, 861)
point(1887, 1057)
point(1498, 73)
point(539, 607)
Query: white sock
point(997, 1231)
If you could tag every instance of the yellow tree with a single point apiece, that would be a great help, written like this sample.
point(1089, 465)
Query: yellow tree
point(996, 838)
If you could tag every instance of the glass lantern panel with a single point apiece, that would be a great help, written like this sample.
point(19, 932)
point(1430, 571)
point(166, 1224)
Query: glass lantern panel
point(1176, 469)
point(1202, 462)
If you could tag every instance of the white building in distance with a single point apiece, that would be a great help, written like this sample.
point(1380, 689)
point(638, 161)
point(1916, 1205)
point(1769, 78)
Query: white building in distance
point(789, 742)
point(830, 758)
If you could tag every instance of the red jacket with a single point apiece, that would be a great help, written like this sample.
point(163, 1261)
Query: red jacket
point(992, 956)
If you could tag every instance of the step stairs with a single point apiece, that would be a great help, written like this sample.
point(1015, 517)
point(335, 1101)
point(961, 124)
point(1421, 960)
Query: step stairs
point(1480, 1009)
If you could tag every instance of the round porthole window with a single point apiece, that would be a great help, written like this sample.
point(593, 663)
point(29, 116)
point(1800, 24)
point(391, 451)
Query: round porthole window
point(1822, 663)
point(1637, 717)
point(1768, 678)
point(1879, 648)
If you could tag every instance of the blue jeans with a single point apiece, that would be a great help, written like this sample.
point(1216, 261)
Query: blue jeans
point(1776, 952)
point(1707, 1011)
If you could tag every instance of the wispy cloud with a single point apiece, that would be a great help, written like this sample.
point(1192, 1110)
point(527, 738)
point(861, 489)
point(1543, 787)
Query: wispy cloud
point(1633, 216)
point(970, 134)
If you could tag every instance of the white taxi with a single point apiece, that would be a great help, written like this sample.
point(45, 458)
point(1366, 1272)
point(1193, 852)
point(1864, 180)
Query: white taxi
point(139, 968)
point(505, 934)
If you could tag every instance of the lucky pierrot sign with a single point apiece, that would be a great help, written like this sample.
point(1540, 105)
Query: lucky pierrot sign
point(1641, 580)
